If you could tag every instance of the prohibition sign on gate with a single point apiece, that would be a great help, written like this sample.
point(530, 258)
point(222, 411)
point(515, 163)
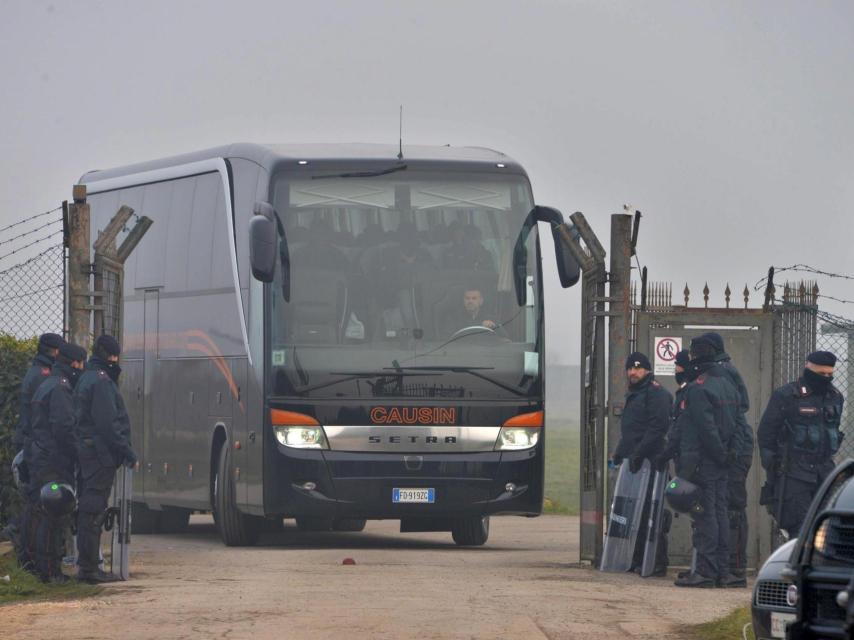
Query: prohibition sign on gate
point(665, 355)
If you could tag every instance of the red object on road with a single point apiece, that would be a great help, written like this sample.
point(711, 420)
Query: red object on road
point(349, 561)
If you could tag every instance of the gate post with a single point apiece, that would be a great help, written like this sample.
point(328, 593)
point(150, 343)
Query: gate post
point(619, 325)
point(79, 268)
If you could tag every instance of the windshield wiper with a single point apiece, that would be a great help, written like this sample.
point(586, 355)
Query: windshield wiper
point(363, 174)
point(474, 371)
point(356, 375)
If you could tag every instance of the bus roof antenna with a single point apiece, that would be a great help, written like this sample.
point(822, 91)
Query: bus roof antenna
point(400, 153)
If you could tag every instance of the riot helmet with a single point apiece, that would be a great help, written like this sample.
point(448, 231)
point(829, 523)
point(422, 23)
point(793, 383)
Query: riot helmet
point(58, 499)
point(683, 496)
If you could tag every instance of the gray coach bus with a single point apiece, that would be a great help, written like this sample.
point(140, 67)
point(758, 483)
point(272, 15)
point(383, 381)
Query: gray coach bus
point(333, 333)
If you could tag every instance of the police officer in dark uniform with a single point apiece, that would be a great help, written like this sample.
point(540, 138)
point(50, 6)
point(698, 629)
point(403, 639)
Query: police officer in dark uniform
point(707, 424)
point(798, 437)
point(103, 444)
point(49, 344)
point(740, 461)
point(671, 449)
point(38, 372)
point(643, 425)
point(51, 458)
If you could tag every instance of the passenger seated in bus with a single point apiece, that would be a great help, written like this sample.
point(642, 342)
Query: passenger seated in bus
point(371, 236)
point(320, 251)
point(466, 251)
point(471, 313)
point(402, 262)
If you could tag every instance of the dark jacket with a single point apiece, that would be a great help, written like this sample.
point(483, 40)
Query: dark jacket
point(645, 420)
point(708, 420)
point(743, 443)
point(52, 456)
point(37, 373)
point(671, 448)
point(803, 424)
point(103, 424)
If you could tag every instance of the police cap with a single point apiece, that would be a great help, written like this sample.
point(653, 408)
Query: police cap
point(108, 344)
point(72, 352)
point(638, 360)
point(822, 358)
point(51, 340)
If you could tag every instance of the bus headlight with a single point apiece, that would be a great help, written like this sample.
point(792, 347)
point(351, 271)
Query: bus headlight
point(301, 437)
point(520, 432)
point(510, 438)
point(297, 430)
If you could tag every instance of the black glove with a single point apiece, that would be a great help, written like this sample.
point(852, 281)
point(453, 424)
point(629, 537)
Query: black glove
point(616, 460)
point(659, 463)
point(635, 463)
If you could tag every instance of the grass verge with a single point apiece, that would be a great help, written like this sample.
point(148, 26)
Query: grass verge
point(562, 460)
point(726, 628)
point(22, 585)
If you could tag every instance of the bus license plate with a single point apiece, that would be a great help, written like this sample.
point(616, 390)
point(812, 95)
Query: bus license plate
point(413, 495)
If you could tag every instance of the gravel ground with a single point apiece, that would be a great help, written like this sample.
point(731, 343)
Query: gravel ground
point(523, 584)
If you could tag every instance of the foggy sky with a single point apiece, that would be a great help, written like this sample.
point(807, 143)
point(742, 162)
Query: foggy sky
point(729, 124)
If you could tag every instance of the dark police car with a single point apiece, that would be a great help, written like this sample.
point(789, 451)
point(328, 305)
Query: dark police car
point(771, 610)
point(820, 571)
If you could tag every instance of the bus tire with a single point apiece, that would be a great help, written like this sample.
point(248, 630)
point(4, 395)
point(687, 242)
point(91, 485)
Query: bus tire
point(235, 528)
point(471, 532)
point(349, 524)
point(143, 519)
point(174, 520)
point(314, 524)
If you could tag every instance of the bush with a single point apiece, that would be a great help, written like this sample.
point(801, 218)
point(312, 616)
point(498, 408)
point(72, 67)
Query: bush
point(15, 357)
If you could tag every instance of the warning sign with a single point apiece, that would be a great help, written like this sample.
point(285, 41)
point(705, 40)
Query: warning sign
point(665, 355)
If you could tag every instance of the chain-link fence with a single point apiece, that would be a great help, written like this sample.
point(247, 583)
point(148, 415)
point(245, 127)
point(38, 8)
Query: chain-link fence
point(836, 335)
point(803, 328)
point(32, 275)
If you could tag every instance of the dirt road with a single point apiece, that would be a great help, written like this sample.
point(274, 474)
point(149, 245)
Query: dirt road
point(521, 585)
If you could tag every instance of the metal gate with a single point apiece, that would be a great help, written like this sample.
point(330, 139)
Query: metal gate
point(748, 338)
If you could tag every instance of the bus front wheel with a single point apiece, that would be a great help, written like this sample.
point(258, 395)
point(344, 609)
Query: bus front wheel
point(471, 532)
point(235, 528)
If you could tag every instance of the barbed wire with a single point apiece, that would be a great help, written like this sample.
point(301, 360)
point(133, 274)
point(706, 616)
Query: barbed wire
point(25, 220)
point(31, 244)
point(832, 318)
point(835, 299)
point(33, 259)
point(30, 232)
point(802, 268)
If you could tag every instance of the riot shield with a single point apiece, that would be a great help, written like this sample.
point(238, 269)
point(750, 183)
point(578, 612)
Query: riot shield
point(653, 532)
point(121, 507)
point(624, 521)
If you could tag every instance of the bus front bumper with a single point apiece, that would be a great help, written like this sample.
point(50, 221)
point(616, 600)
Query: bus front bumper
point(338, 484)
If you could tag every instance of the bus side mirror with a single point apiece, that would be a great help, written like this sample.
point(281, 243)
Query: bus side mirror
point(568, 269)
point(262, 242)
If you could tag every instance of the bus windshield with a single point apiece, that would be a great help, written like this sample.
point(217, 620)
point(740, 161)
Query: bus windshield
point(401, 285)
